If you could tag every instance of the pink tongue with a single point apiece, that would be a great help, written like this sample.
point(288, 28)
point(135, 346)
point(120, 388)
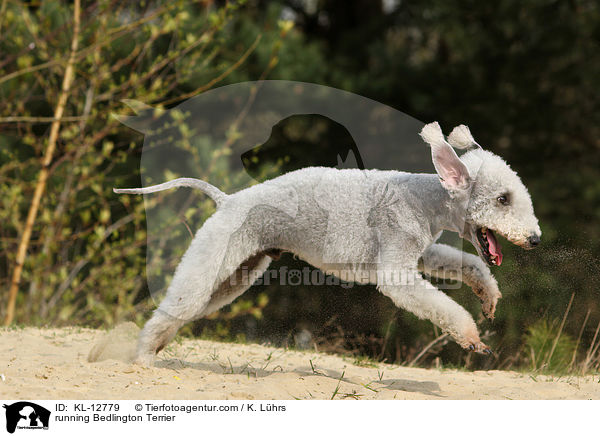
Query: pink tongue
point(495, 248)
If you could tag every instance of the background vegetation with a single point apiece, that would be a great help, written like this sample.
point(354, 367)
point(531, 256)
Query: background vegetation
point(523, 75)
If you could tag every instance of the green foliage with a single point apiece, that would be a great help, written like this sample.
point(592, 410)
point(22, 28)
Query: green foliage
point(86, 262)
point(364, 361)
point(549, 350)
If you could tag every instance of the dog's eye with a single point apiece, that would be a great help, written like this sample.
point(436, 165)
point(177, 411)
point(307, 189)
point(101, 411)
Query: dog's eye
point(503, 199)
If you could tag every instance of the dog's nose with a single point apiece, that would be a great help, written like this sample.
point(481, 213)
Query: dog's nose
point(534, 240)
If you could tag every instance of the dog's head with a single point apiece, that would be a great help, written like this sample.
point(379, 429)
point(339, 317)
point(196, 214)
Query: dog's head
point(493, 198)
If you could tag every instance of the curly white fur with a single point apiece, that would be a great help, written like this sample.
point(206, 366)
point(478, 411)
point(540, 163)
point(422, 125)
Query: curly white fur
point(461, 138)
point(432, 134)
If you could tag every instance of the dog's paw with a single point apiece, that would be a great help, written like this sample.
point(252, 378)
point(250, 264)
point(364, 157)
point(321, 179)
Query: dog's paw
point(489, 299)
point(479, 347)
point(469, 340)
point(145, 360)
point(488, 305)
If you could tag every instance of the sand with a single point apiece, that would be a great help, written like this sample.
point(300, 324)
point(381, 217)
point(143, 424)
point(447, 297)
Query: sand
point(53, 364)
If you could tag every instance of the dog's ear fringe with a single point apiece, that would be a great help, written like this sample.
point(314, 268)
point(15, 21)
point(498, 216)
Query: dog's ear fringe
point(461, 138)
point(432, 134)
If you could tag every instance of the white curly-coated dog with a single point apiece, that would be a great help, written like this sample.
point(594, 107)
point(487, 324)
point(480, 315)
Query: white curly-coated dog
point(367, 226)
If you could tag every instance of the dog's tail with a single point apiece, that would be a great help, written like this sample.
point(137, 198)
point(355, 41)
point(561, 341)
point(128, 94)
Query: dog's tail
point(213, 192)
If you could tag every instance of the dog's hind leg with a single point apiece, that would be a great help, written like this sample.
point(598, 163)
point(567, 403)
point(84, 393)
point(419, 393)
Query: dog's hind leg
point(444, 261)
point(216, 254)
point(162, 327)
point(155, 335)
point(238, 282)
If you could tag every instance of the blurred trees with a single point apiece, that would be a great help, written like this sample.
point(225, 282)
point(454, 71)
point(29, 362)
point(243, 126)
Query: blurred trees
point(86, 259)
point(523, 75)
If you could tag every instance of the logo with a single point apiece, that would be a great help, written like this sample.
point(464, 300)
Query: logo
point(236, 135)
point(26, 415)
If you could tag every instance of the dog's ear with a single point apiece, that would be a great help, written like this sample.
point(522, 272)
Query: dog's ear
point(461, 138)
point(452, 171)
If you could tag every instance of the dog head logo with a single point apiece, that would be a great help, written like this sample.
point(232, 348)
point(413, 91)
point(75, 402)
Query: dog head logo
point(237, 135)
point(26, 415)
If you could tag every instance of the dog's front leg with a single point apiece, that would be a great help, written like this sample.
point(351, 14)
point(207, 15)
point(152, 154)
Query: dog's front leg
point(424, 300)
point(444, 261)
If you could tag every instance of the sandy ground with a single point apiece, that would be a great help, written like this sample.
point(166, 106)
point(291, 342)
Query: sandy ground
point(53, 364)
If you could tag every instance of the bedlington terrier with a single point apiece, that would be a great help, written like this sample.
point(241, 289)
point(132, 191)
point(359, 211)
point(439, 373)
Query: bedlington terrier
point(367, 226)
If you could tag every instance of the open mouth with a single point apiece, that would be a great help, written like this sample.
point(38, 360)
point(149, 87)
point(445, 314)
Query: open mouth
point(490, 248)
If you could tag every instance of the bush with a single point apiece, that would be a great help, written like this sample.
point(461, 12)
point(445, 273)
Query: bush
point(549, 350)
